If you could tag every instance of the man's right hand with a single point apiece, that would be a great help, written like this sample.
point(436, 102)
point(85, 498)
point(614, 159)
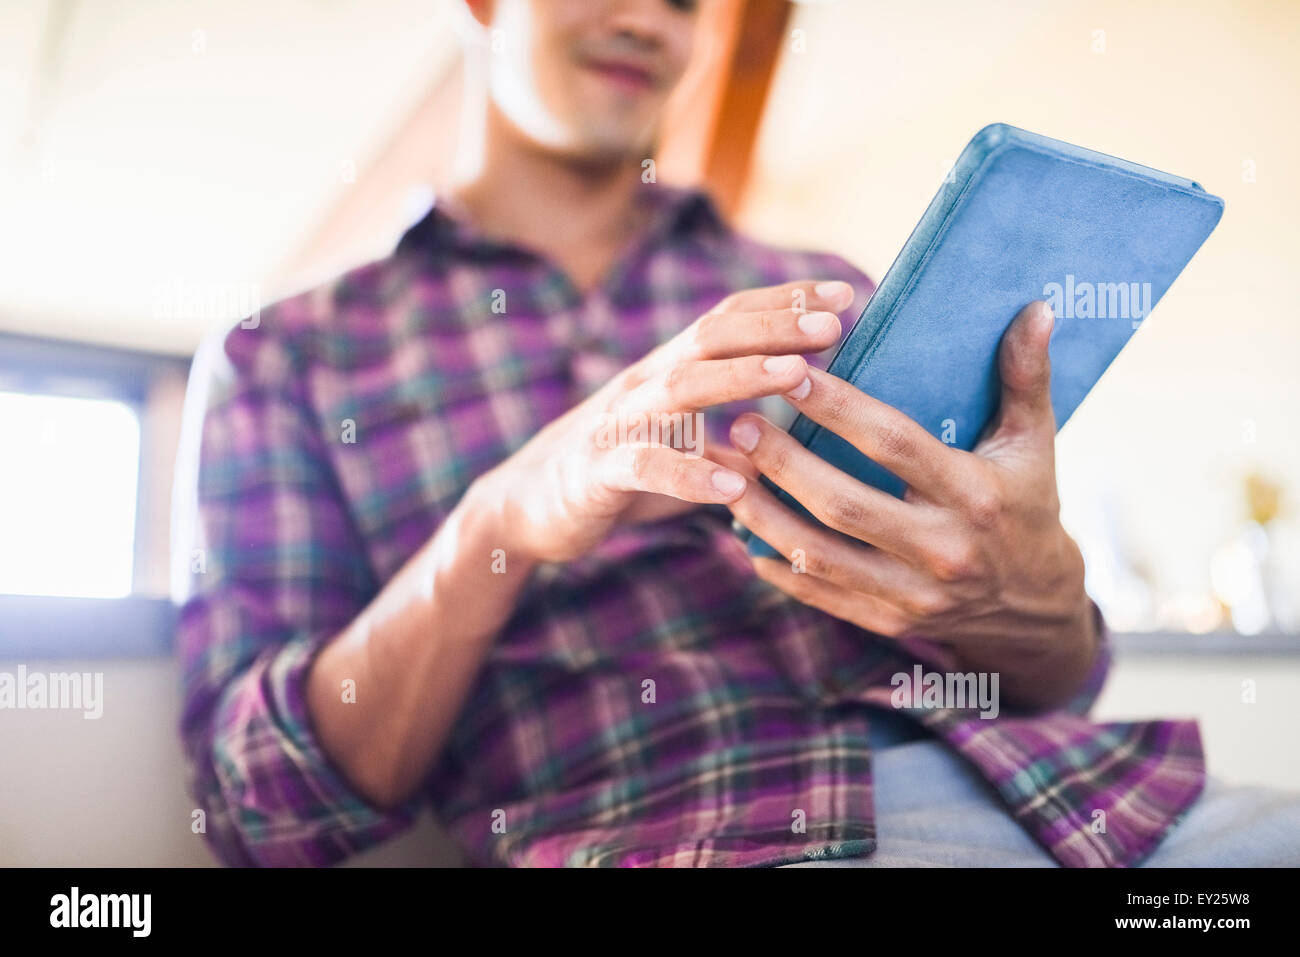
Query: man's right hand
point(564, 491)
point(418, 645)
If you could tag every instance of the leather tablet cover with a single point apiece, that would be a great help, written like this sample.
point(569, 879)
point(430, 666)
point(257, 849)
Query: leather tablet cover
point(1021, 217)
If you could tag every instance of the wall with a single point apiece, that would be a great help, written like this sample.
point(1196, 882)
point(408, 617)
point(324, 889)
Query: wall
point(111, 791)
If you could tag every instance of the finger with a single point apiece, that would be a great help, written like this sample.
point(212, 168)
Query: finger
point(820, 553)
point(795, 298)
point(652, 507)
point(837, 500)
point(883, 434)
point(732, 458)
point(865, 611)
point(771, 332)
point(692, 386)
point(1026, 371)
point(653, 468)
point(809, 295)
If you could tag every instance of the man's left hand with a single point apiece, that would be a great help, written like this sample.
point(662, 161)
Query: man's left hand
point(973, 556)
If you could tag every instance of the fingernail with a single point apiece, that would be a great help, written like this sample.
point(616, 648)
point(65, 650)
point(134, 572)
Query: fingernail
point(728, 484)
point(837, 291)
point(801, 390)
point(745, 435)
point(1046, 323)
point(781, 365)
point(815, 323)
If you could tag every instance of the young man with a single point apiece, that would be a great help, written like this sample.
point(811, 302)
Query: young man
point(431, 575)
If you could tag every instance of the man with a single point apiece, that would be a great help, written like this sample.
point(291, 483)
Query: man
point(431, 575)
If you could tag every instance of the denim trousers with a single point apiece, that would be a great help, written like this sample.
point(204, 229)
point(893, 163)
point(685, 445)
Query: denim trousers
point(934, 810)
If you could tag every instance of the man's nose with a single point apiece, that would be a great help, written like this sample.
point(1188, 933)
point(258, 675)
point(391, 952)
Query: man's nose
point(639, 23)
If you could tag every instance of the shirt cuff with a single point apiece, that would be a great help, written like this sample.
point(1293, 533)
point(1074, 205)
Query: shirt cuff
point(293, 806)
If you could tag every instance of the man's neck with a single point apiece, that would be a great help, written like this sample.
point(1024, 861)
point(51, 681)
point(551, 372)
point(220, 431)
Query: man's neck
point(578, 214)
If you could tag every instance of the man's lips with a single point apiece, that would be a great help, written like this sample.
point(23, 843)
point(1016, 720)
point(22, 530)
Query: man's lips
point(627, 76)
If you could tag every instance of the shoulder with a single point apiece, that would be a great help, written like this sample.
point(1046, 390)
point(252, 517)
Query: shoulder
point(275, 344)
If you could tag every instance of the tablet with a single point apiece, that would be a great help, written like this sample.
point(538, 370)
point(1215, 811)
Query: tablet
point(1020, 217)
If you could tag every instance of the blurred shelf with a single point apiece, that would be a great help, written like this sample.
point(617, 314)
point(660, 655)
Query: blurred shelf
point(1210, 643)
point(35, 627)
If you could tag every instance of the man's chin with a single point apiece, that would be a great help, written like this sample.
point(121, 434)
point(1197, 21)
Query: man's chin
point(614, 142)
point(598, 138)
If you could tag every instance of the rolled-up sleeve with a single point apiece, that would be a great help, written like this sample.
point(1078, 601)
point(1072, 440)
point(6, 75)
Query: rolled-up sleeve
point(269, 568)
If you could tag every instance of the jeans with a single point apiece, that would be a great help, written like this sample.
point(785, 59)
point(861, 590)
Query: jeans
point(934, 810)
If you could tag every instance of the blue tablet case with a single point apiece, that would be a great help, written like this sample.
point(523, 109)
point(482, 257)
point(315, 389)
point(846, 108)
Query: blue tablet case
point(1020, 217)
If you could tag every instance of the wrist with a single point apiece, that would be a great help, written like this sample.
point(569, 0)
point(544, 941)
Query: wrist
point(1043, 671)
point(1081, 636)
point(1054, 672)
point(490, 522)
point(1088, 627)
point(472, 555)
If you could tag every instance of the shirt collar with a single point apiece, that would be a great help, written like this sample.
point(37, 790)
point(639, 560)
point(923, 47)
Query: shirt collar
point(674, 212)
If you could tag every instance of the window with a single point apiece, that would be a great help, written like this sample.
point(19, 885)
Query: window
point(87, 441)
point(68, 495)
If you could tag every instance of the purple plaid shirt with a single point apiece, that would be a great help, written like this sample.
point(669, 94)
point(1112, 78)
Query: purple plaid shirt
point(339, 431)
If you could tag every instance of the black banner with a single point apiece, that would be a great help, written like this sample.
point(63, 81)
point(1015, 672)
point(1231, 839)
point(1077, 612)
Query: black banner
point(1037, 908)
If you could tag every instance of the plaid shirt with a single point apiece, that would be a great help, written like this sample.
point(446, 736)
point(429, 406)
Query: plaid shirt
point(339, 431)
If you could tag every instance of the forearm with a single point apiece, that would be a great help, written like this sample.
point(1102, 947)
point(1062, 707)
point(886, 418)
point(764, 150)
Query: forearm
point(414, 652)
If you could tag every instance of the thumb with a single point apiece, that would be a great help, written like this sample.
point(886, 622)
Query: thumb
point(1026, 372)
